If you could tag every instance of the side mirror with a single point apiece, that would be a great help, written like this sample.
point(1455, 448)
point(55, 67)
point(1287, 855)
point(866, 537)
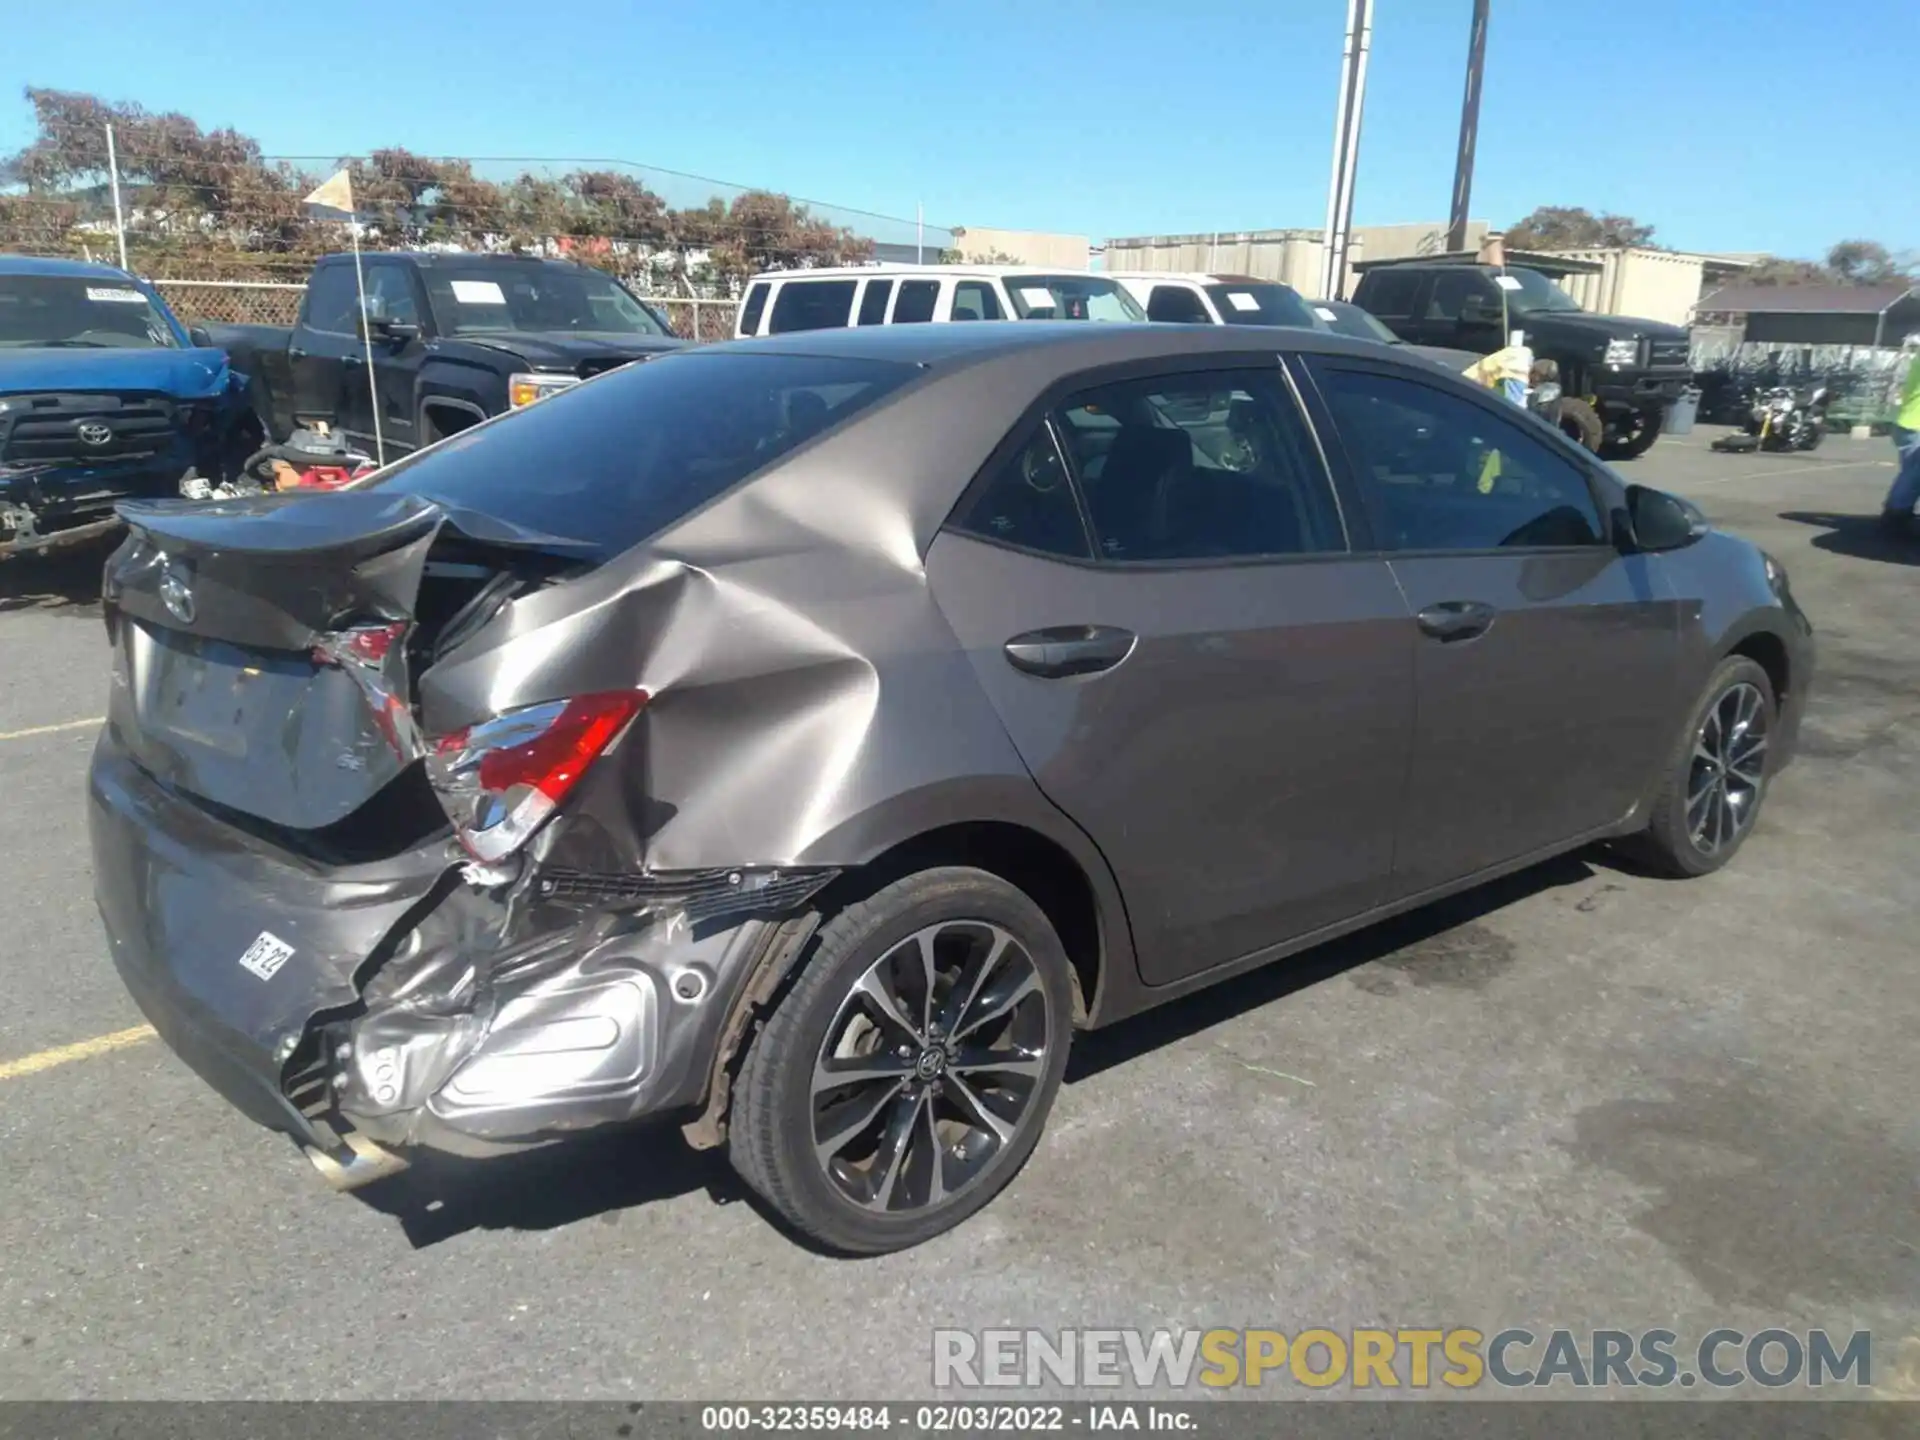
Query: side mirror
point(396, 333)
point(1661, 521)
point(199, 337)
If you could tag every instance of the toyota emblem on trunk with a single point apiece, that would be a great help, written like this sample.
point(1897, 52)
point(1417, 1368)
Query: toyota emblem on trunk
point(176, 592)
point(92, 432)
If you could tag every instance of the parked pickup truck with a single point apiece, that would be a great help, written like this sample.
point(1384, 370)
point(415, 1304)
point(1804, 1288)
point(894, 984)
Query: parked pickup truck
point(1618, 374)
point(104, 396)
point(455, 337)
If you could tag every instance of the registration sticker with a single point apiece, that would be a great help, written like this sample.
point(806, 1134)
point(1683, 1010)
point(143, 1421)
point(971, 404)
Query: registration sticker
point(1325, 314)
point(117, 296)
point(479, 292)
point(1506, 282)
point(1038, 297)
point(266, 955)
point(1241, 300)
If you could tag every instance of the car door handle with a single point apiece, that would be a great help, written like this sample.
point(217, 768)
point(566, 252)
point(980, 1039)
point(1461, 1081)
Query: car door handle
point(294, 352)
point(352, 359)
point(1060, 651)
point(1456, 619)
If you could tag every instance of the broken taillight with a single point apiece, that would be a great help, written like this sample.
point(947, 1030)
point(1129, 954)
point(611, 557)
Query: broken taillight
point(502, 778)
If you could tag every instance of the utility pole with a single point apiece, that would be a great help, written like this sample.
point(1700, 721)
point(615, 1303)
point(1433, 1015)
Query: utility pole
point(1346, 146)
point(113, 174)
point(1469, 130)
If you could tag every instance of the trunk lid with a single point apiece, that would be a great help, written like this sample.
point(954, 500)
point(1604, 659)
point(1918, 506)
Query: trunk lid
point(264, 649)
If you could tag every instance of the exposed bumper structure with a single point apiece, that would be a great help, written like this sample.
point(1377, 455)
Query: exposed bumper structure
point(369, 1009)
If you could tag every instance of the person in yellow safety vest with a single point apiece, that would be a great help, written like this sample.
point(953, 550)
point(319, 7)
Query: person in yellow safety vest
point(1897, 514)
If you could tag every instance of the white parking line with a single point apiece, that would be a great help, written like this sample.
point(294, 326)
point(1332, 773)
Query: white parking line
point(32, 730)
point(1787, 470)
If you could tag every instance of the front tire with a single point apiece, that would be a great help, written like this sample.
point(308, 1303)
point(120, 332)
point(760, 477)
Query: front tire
point(1634, 437)
point(1716, 777)
point(1581, 423)
point(905, 1078)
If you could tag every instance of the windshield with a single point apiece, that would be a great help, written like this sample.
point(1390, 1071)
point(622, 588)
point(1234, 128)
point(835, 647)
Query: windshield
point(548, 298)
point(106, 313)
point(1535, 292)
point(1344, 319)
point(621, 457)
point(1071, 297)
point(1260, 304)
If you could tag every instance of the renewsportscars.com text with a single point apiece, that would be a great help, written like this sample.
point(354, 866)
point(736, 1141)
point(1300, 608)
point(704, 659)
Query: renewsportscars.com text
point(1458, 1358)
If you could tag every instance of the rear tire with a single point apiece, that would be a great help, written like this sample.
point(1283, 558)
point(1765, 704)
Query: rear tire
point(948, 1082)
point(1716, 776)
point(1580, 422)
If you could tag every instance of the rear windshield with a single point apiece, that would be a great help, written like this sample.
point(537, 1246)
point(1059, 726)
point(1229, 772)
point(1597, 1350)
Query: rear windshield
point(1260, 305)
point(620, 458)
point(1071, 297)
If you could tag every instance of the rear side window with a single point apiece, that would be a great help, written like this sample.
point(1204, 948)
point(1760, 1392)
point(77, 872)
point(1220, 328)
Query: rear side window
point(750, 310)
point(1214, 465)
point(1389, 293)
point(1176, 304)
point(873, 302)
point(916, 302)
point(812, 305)
point(1028, 501)
point(332, 300)
point(610, 462)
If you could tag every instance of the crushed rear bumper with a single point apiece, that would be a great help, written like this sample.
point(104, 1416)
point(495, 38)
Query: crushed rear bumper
point(394, 1001)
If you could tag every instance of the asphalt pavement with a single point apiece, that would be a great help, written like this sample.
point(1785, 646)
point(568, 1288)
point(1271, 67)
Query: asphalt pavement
point(1580, 1097)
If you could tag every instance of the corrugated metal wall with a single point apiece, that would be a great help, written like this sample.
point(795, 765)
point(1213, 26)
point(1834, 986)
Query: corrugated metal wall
point(1650, 284)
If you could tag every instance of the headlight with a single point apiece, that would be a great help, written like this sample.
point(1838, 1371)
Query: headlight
point(525, 388)
point(1621, 352)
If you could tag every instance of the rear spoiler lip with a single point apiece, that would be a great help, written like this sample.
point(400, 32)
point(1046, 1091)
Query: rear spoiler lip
point(190, 527)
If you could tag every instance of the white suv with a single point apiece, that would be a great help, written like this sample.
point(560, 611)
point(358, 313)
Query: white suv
point(786, 300)
point(1202, 299)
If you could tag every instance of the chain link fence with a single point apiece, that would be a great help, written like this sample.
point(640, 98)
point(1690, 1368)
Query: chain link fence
point(259, 302)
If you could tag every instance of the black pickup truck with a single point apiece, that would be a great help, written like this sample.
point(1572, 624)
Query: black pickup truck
point(455, 338)
point(1627, 370)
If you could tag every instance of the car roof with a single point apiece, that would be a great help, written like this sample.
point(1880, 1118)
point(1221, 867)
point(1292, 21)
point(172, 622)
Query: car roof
point(431, 258)
point(50, 265)
point(1197, 277)
point(931, 272)
point(1080, 344)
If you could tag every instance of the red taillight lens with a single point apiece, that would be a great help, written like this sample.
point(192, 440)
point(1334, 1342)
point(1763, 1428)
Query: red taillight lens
point(502, 778)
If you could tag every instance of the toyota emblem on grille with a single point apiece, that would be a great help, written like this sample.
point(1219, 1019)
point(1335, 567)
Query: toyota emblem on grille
point(92, 432)
point(176, 592)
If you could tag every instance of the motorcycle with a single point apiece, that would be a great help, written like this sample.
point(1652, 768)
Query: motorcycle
point(1782, 418)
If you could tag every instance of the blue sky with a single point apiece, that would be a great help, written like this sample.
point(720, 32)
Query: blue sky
point(1727, 124)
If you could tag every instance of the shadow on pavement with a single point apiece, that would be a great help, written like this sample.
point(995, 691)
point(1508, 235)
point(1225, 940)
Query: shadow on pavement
point(1441, 943)
point(1864, 537)
point(443, 1196)
point(62, 580)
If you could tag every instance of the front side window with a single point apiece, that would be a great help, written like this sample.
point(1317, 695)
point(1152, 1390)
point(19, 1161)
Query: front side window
point(1441, 472)
point(1071, 297)
point(812, 305)
point(81, 312)
point(1460, 292)
point(390, 296)
point(1206, 466)
point(506, 297)
point(1028, 501)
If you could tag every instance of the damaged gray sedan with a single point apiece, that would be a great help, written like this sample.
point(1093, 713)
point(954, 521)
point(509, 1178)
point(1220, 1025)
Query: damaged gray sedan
point(800, 739)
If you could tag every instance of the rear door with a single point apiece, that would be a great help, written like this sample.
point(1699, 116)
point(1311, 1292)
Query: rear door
point(1155, 586)
point(1547, 660)
point(322, 340)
